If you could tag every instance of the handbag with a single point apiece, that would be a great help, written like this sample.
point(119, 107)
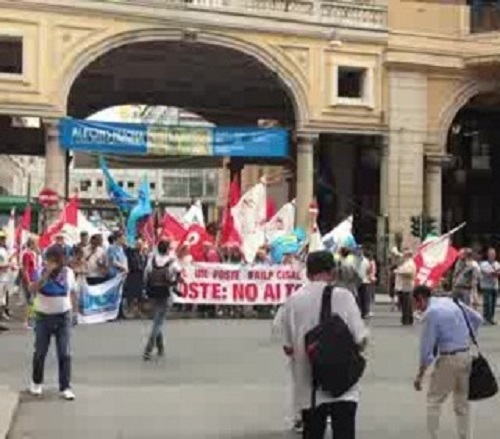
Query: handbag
point(482, 381)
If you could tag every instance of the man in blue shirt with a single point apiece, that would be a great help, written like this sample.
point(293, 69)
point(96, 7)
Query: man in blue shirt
point(116, 256)
point(445, 343)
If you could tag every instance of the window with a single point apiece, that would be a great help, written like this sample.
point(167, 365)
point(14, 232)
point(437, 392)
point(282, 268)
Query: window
point(176, 186)
point(196, 185)
point(11, 55)
point(152, 186)
point(120, 183)
point(351, 82)
point(130, 185)
point(211, 184)
point(85, 185)
point(99, 183)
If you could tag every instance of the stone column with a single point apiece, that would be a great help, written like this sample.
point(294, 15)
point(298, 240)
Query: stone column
point(433, 186)
point(305, 177)
point(55, 158)
point(408, 94)
point(385, 239)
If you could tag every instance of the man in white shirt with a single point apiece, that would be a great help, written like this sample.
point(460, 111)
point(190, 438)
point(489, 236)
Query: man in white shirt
point(301, 313)
point(4, 275)
point(95, 258)
point(362, 266)
point(488, 281)
point(404, 284)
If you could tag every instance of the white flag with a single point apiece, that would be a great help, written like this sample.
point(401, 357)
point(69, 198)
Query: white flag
point(250, 218)
point(282, 223)
point(194, 215)
point(339, 234)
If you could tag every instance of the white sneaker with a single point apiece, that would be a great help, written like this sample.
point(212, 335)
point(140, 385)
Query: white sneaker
point(68, 395)
point(36, 389)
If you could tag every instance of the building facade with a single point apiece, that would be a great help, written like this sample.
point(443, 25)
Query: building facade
point(372, 91)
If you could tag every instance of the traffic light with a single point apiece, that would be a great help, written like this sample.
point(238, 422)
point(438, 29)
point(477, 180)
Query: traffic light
point(416, 226)
point(430, 227)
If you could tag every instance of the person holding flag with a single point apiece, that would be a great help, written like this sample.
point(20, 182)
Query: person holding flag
point(30, 266)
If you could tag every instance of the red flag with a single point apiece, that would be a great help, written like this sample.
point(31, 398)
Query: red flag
point(270, 209)
point(433, 260)
point(68, 216)
point(23, 228)
point(172, 228)
point(196, 237)
point(229, 234)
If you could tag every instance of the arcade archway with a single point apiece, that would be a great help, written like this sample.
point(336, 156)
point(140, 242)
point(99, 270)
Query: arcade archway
point(471, 181)
point(225, 86)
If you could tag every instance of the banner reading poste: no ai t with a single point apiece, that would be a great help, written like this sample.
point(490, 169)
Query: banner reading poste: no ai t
point(224, 284)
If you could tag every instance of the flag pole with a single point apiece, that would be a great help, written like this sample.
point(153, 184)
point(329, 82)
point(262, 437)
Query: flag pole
point(446, 235)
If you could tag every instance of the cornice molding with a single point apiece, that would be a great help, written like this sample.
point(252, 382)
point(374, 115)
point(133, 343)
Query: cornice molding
point(231, 20)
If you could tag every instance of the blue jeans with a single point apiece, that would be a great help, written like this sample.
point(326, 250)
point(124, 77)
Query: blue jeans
point(156, 335)
point(489, 303)
point(59, 326)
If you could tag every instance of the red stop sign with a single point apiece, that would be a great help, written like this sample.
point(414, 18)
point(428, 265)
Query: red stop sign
point(47, 197)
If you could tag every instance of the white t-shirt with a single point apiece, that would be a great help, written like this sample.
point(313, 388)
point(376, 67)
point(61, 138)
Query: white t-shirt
point(95, 260)
point(57, 305)
point(300, 314)
point(4, 260)
point(405, 276)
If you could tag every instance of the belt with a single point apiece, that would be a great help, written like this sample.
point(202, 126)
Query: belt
point(458, 351)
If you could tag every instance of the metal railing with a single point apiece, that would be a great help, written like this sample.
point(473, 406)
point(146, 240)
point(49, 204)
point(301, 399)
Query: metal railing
point(366, 14)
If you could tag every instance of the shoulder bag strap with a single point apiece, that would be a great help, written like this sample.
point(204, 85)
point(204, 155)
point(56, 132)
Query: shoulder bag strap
point(469, 327)
point(326, 304)
point(325, 314)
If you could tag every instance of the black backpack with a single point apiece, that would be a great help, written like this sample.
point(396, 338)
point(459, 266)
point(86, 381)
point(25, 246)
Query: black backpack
point(160, 280)
point(336, 360)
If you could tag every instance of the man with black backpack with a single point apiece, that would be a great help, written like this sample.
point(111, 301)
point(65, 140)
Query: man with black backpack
point(161, 277)
point(324, 335)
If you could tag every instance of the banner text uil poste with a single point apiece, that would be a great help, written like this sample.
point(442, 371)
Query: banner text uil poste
point(225, 284)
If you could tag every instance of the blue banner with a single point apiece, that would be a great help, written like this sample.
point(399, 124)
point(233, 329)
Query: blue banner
point(100, 303)
point(141, 139)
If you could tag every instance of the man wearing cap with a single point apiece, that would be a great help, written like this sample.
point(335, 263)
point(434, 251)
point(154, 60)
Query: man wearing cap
point(301, 313)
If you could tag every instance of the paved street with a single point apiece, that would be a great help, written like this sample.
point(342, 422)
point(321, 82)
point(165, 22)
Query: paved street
point(222, 379)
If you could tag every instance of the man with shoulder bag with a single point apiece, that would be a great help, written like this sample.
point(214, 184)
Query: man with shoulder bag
point(449, 328)
point(324, 335)
point(161, 277)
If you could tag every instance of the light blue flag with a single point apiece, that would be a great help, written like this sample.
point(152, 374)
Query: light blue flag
point(117, 194)
point(287, 244)
point(142, 209)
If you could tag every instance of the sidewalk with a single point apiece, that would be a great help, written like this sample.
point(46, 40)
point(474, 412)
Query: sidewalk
point(9, 401)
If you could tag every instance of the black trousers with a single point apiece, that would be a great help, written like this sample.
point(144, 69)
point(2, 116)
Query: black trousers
point(342, 414)
point(364, 300)
point(406, 304)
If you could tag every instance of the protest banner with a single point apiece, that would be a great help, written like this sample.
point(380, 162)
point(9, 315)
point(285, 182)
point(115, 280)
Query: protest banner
point(224, 284)
point(100, 303)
